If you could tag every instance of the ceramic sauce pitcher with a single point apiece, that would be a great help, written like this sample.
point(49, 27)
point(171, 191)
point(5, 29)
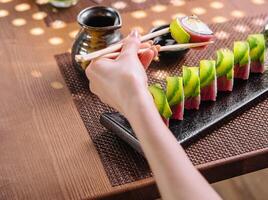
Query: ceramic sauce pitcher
point(99, 28)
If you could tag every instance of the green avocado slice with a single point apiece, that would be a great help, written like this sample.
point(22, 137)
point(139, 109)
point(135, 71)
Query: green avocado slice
point(241, 52)
point(207, 72)
point(225, 62)
point(178, 33)
point(257, 46)
point(160, 101)
point(174, 90)
point(230, 74)
point(191, 81)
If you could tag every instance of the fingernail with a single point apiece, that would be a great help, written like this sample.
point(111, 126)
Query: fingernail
point(134, 33)
point(150, 42)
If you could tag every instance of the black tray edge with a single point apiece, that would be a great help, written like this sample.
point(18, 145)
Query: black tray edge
point(108, 122)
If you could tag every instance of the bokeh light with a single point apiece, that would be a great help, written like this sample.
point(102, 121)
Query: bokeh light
point(199, 11)
point(19, 22)
point(219, 19)
point(241, 28)
point(55, 41)
point(159, 22)
point(138, 1)
point(119, 5)
point(258, 2)
point(139, 14)
point(177, 2)
point(37, 31)
point(4, 13)
point(56, 85)
point(41, 2)
point(237, 13)
point(58, 24)
point(39, 15)
point(222, 35)
point(258, 22)
point(216, 5)
point(22, 7)
point(159, 8)
point(36, 74)
point(5, 1)
point(73, 34)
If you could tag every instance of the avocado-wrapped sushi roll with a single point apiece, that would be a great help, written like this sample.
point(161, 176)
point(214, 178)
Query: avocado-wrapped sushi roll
point(257, 52)
point(161, 102)
point(225, 70)
point(191, 87)
point(208, 80)
point(241, 60)
point(175, 96)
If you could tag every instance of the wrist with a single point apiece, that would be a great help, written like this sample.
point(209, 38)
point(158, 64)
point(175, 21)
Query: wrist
point(140, 104)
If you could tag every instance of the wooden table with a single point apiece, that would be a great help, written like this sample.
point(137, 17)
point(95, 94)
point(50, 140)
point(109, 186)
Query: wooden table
point(45, 149)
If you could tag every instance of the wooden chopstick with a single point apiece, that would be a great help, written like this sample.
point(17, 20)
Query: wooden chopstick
point(175, 47)
point(116, 47)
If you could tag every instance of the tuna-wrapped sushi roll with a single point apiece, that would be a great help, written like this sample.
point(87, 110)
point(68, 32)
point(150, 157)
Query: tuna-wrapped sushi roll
point(191, 87)
point(225, 70)
point(161, 102)
point(241, 60)
point(208, 80)
point(175, 96)
point(257, 52)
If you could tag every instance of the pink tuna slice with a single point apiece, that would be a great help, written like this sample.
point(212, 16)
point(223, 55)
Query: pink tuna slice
point(257, 67)
point(209, 93)
point(192, 103)
point(224, 84)
point(178, 111)
point(242, 71)
point(198, 30)
point(166, 121)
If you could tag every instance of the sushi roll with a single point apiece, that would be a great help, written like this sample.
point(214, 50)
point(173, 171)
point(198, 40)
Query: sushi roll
point(225, 70)
point(241, 60)
point(257, 52)
point(208, 80)
point(190, 29)
point(161, 102)
point(175, 96)
point(191, 87)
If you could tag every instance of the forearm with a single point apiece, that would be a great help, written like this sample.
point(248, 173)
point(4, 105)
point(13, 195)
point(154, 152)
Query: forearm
point(175, 175)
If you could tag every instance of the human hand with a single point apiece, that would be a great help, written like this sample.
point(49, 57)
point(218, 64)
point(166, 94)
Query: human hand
point(119, 81)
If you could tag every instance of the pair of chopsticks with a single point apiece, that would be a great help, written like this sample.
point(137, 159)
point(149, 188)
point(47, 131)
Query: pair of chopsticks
point(110, 51)
point(176, 47)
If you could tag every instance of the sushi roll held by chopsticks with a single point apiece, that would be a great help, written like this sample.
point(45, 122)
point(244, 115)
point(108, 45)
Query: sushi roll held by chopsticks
point(189, 29)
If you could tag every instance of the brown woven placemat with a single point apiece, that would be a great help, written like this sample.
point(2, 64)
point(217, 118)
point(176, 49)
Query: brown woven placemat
point(245, 133)
point(70, 14)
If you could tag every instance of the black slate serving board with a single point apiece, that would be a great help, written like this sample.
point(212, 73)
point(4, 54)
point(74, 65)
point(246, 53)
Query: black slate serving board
point(210, 114)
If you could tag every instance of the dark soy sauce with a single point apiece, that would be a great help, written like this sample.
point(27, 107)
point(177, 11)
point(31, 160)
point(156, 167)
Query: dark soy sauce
point(100, 21)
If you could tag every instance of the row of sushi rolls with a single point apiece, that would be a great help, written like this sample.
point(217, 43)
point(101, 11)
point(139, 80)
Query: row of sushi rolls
point(201, 83)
